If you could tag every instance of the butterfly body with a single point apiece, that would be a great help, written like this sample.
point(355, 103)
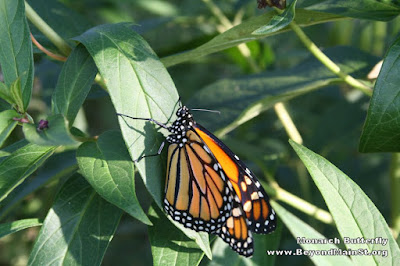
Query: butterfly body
point(208, 188)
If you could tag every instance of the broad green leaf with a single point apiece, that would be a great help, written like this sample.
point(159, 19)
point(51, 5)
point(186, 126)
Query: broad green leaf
point(364, 9)
point(20, 164)
point(139, 86)
point(107, 166)
point(16, 58)
point(78, 227)
point(58, 166)
point(170, 246)
point(244, 98)
point(56, 134)
point(7, 124)
point(278, 22)
point(243, 33)
point(354, 213)
point(12, 227)
point(16, 94)
point(300, 230)
point(224, 255)
point(5, 93)
point(380, 133)
point(74, 83)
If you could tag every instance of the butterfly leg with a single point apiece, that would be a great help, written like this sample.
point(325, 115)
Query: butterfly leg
point(145, 119)
point(151, 155)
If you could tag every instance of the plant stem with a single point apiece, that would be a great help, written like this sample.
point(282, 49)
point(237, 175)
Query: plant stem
point(300, 204)
point(44, 50)
point(47, 30)
point(328, 62)
point(395, 192)
point(287, 122)
point(279, 108)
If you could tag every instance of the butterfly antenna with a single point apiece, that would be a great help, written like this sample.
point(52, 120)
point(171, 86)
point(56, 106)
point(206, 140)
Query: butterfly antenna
point(206, 110)
point(145, 119)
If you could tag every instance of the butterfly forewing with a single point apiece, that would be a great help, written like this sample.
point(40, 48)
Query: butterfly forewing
point(253, 198)
point(196, 193)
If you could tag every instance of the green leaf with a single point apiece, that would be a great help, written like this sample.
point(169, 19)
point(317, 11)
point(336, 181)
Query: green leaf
point(16, 58)
point(170, 246)
point(74, 83)
point(12, 227)
point(58, 166)
point(300, 229)
point(244, 98)
point(20, 164)
point(107, 166)
point(243, 33)
point(77, 229)
point(354, 213)
point(5, 93)
point(57, 133)
point(363, 9)
point(139, 86)
point(381, 128)
point(278, 22)
point(16, 94)
point(224, 255)
point(7, 124)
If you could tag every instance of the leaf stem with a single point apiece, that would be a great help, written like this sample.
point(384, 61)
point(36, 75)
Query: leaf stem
point(279, 108)
point(395, 192)
point(41, 25)
point(328, 62)
point(44, 50)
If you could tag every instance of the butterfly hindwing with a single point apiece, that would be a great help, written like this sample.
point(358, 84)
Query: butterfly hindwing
point(252, 196)
point(236, 232)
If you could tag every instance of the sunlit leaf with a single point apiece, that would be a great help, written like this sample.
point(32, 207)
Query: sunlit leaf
point(354, 213)
point(78, 227)
point(7, 124)
point(56, 134)
point(20, 164)
point(382, 125)
point(107, 166)
point(12, 227)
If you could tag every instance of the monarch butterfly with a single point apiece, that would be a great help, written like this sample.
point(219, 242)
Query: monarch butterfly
point(281, 4)
point(208, 188)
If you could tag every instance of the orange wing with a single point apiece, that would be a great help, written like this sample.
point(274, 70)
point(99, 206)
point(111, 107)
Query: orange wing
point(250, 193)
point(196, 193)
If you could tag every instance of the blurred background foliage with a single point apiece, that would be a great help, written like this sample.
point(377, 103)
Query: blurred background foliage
point(330, 120)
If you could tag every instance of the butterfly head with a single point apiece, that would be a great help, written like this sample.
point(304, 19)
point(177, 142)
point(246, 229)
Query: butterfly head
point(182, 124)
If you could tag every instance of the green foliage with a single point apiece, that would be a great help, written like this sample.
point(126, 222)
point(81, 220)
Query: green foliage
point(354, 213)
point(383, 121)
point(76, 170)
point(80, 225)
point(107, 166)
point(16, 55)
